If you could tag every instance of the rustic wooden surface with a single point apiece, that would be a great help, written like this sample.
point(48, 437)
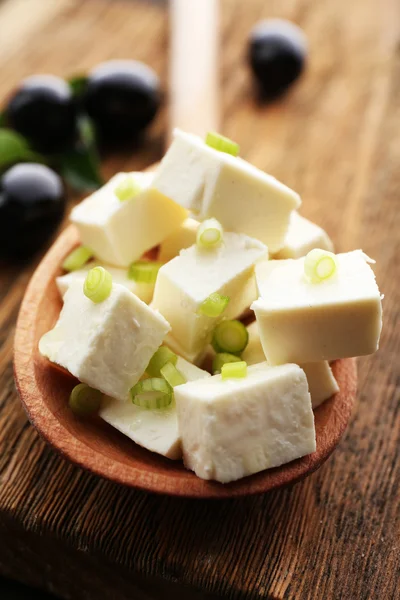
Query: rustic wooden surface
point(335, 139)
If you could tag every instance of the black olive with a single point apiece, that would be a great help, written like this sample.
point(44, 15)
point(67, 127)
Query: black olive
point(122, 97)
point(277, 54)
point(43, 109)
point(32, 203)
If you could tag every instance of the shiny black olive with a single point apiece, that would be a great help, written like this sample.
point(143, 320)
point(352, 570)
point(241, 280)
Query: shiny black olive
point(32, 203)
point(277, 54)
point(122, 97)
point(43, 109)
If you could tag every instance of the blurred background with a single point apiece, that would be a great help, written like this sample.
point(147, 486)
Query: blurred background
point(315, 105)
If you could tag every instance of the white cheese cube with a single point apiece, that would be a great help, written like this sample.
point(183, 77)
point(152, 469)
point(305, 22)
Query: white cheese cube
point(120, 232)
point(253, 353)
point(236, 427)
point(187, 280)
point(194, 357)
point(321, 382)
point(300, 321)
point(106, 345)
point(144, 291)
point(210, 183)
point(156, 430)
point(302, 236)
point(184, 237)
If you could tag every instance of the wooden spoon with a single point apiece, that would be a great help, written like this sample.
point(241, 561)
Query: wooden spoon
point(92, 444)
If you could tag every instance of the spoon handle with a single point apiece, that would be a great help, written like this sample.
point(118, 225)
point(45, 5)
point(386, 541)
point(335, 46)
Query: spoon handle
point(194, 66)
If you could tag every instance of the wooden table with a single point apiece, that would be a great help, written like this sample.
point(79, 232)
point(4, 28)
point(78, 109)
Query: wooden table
point(336, 139)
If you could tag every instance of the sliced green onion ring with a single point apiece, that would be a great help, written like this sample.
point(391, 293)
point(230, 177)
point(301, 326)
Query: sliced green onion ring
point(127, 189)
point(230, 336)
point(144, 271)
point(152, 393)
point(236, 370)
point(161, 357)
point(319, 265)
point(172, 375)
point(209, 234)
point(214, 305)
point(77, 258)
point(221, 143)
point(98, 284)
point(84, 400)
point(222, 358)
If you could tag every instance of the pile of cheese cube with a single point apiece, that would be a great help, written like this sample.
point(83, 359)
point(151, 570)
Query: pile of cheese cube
point(224, 428)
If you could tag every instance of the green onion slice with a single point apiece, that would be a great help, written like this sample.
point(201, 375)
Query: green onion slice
point(84, 400)
point(152, 393)
point(209, 234)
point(319, 265)
point(127, 189)
point(235, 370)
point(172, 375)
point(161, 357)
point(230, 336)
point(222, 143)
point(77, 258)
point(98, 284)
point(222, 358)
point(144, 271)
point(214, 305)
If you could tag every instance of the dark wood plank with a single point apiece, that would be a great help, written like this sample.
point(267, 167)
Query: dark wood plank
point(334, 138)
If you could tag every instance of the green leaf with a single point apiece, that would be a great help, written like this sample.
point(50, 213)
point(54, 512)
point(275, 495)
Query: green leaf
point(15, 148)
point(3, 119)
point(87, 134)
point(77, 83)
point(81, 166)
point(80, 170)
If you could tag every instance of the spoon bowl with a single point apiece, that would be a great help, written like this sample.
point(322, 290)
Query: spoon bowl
point(97, 447)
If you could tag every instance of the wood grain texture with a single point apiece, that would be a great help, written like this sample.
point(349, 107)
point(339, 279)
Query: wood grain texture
point(194, 66)
point(335, 139)
point(97, 447)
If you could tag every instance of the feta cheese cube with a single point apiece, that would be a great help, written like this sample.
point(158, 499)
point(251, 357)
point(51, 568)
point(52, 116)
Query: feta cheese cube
point(120, 232)
point(194, 357)
point(210, 183)
point(156, 430)
point(144, 291)
point(106, 345)
point(184, 237)
point(300, 321)
point(236, 427)
point(302, 236)
point(321, 382)
point(187, 280)
point(253, 353)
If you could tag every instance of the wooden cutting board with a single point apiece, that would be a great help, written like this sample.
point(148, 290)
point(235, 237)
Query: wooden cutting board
point(335, 139)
